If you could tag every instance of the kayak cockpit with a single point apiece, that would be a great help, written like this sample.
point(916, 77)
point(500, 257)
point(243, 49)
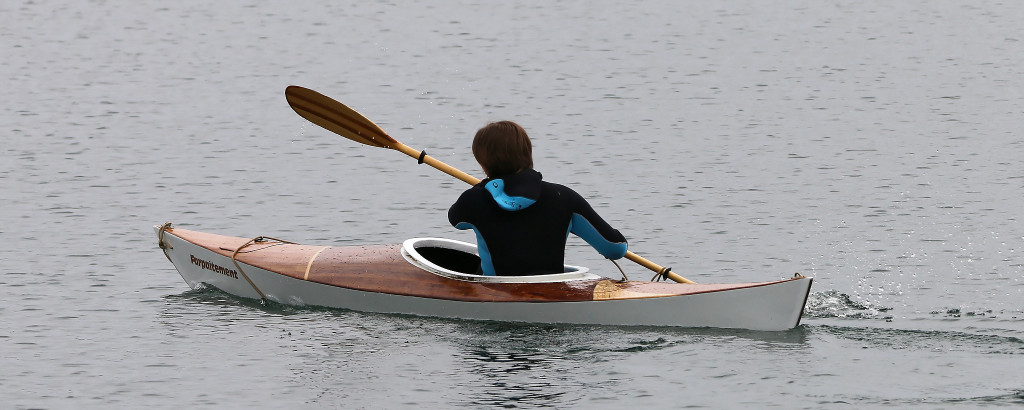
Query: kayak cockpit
point(460, 260)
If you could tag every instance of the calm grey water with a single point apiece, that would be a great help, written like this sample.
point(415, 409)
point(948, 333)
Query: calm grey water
point(873, 145)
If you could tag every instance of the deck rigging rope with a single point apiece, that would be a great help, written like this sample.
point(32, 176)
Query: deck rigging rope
point(160, 240)
point(661, 275)
point(234, 260)
point(624, 278)
point(160, 237)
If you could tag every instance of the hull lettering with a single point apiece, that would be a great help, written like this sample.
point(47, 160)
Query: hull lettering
point(210, 266)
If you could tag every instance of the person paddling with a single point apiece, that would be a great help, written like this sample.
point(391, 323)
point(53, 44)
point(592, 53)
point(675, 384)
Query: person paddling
point(521, 221)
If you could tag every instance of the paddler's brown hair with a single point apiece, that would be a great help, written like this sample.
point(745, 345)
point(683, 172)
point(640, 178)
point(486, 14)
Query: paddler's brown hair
point(502, 148)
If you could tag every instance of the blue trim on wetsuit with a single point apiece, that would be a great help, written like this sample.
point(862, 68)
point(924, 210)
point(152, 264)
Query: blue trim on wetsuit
point(586, 230)
point(507, 202)
point(486, 266)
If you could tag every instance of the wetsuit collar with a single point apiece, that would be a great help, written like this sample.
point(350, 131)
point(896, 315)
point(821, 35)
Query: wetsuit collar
point(517, 191)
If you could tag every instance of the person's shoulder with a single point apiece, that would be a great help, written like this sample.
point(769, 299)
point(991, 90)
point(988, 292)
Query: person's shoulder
point(560, 190)
point(476, 191)
point(469, 204)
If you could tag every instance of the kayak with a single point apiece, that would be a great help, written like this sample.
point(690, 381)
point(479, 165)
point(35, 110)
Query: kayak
point(437, 277)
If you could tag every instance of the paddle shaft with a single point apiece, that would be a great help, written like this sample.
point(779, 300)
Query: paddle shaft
point(441, 166)
point(654, 267)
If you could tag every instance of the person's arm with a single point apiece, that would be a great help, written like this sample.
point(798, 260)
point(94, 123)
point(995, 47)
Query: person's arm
point(587, 224)
point(459, 213)
point(462, 215)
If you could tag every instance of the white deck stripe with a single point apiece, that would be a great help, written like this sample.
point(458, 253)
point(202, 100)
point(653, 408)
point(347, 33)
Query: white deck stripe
point(310, 264)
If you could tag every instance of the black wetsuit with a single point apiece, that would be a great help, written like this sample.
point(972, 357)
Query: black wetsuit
point(522, 222)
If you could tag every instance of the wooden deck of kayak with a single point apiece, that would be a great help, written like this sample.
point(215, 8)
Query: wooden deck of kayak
point(383, 269)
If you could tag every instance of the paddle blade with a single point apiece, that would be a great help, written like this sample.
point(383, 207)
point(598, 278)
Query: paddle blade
point(336, 117)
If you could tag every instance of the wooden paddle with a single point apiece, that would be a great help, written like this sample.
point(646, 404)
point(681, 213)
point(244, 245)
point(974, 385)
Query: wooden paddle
point(339, 119)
